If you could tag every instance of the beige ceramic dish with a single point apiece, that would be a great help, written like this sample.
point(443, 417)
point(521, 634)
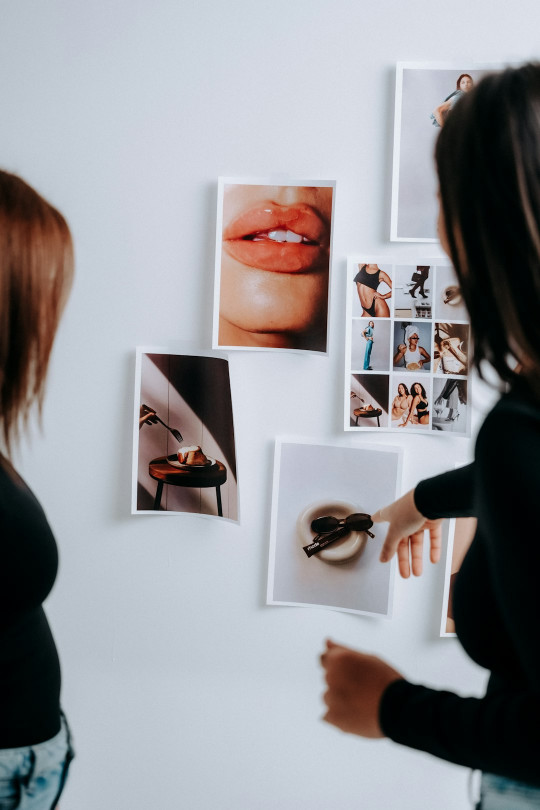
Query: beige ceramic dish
point(342, 550)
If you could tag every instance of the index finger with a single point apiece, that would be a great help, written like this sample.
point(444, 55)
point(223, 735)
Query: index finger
point(330, 645)
point(390, 545)
point(378, 516)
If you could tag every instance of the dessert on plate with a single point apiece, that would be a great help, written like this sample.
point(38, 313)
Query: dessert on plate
point(192, 456)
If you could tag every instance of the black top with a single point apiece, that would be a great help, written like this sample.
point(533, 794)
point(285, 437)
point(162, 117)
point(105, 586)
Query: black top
point(496, 605)
point(423, 271)
point(29, 667)
point(371, 280)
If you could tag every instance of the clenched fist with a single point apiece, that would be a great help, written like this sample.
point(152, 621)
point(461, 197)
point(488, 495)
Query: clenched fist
point(356, 683)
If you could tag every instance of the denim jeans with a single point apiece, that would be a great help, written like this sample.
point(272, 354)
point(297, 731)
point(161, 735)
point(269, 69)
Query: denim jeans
point(367, 354)
point(33, 777)
point(500, 793)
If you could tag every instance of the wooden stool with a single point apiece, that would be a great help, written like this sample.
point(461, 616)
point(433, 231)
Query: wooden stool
point(361, 413)
point(200, 477)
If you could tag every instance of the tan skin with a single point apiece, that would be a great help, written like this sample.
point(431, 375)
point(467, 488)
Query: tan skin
point(402, 403)
point(413, 345)
point(146, 415)
point(364, 332)
point(268, 309)
point(368, 296)
point(417, 397)
point(356, 681)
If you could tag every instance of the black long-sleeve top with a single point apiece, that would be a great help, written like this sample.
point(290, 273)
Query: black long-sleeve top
point(496, 605)
point(29, 667)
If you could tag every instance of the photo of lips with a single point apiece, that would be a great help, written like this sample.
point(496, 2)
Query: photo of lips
point(272, 266)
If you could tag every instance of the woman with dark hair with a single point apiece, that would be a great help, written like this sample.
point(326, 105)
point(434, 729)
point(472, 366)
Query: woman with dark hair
point(409, 354)
point(419, 410)
point(368, 280)
point(488, 162)
point(36, 266)
point(464, 85)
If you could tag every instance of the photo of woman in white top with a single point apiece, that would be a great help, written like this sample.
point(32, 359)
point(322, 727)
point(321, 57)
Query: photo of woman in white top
point(410, 354)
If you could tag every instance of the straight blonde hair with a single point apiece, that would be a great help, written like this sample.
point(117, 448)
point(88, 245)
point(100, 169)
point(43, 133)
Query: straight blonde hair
point(36, 271)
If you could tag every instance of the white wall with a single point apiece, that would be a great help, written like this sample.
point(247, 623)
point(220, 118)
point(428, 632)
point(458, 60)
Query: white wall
point(183, 689)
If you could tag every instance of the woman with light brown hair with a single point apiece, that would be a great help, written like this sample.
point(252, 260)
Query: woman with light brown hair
point(36, 267)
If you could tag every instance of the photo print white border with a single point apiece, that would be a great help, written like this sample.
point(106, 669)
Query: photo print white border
point(452, 525)
point(394, 266)
point(295, 583)
point(140, 351)
point(423, 199)
point(271, 180)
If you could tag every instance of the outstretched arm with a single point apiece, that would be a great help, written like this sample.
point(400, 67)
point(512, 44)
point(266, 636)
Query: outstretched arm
point(497, 733)
point(440, 111)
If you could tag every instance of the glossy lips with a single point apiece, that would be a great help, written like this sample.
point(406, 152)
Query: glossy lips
point(279, 238)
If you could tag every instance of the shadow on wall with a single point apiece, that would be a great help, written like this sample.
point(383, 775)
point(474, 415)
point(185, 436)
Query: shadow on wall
point(192, 395)
point(370, 389)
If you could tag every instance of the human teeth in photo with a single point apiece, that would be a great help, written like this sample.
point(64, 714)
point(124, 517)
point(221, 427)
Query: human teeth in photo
point(273, 251)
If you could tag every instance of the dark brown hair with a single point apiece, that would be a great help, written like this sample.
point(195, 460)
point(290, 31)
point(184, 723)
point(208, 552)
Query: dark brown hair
point(488, 162)
point(36, 268)
point(463, 75)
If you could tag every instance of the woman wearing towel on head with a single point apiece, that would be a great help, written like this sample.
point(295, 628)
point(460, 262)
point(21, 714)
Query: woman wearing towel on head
point(410, 355)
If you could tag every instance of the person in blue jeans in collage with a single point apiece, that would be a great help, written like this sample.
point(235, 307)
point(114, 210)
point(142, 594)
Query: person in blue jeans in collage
point(368, 334)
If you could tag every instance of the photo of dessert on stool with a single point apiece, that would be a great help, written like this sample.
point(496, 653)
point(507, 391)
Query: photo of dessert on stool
point(186, 457)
